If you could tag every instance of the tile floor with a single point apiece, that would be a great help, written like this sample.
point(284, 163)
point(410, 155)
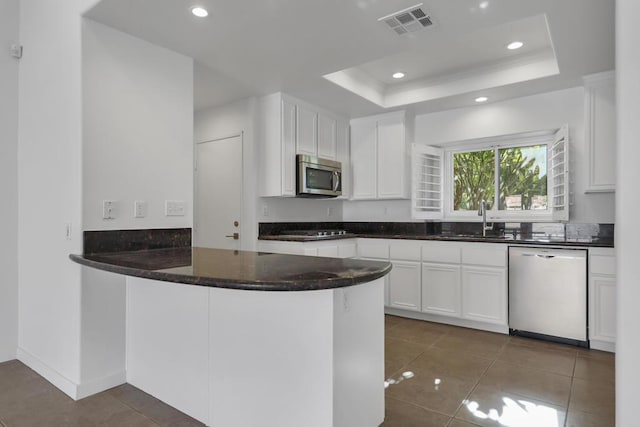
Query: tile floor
point(461, 378)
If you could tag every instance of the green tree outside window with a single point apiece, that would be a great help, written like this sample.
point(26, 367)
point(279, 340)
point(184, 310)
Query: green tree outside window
point(522, 178)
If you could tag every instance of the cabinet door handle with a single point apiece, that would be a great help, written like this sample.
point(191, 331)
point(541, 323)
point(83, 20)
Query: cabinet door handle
point(235, 236)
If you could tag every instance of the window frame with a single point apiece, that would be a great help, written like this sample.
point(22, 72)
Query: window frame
point(544, 138)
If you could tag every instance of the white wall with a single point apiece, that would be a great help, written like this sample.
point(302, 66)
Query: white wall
point(627, 207)
point(137, 145)
point(544, 111)
point(138, 129)
point(9, 18)
point(49, 188)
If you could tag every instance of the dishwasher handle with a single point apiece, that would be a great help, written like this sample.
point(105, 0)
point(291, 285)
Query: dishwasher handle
point(546, 256)
point(540, 255)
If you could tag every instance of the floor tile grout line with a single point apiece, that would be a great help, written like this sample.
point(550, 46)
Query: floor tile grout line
point(435, 411)
point(157, 422)
point(573, 376)
point(475, 386)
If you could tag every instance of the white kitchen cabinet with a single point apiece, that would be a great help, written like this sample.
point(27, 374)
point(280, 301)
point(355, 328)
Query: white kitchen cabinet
point(364, 158)
point(306, 131)
point(376, 250)
point(278, 148)
point(330, 251)
point(404, 285)
point(392, 158)
point(600, 130)
point(340, 248)
point(484, 294)
point(441, 289)
point(373, 248)
point(347, 249)
point(602, 299)
point(465, 281)
point(343, 155)
point(327, 137)
point(379, 157)
point(289, 126)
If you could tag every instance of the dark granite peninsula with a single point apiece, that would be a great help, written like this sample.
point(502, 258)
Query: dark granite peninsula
point(297, 340)
point(237, 269)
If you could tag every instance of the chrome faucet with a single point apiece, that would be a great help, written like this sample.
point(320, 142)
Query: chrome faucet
point(482, 211)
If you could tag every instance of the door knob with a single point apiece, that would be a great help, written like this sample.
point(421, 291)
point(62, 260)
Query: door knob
point(235, 236)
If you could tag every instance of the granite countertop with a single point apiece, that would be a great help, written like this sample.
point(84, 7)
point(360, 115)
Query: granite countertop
point(509, 238)
point(243, 270)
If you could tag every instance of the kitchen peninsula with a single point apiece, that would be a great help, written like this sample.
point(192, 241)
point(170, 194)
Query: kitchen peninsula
point(248, 338)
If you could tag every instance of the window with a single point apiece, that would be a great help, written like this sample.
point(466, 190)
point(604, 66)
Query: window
point(519, 173)
point(521, 177)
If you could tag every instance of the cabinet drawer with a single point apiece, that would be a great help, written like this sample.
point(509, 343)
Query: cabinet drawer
point(409, 251)
point(488, 255)
point(602, 264)
point(369, 249)
point(441, 252)
point(347, 250)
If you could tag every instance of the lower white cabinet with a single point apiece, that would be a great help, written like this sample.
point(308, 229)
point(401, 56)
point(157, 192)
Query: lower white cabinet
point(404, 285)
point(484, 293)
point(602, 299)
point(441, 289)
point(343, 248)
point(465, 281)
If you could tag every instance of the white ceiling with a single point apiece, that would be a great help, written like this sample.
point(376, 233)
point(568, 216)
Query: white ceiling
point(256, 47)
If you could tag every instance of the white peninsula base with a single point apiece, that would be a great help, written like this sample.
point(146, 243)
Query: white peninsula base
point(260, 358)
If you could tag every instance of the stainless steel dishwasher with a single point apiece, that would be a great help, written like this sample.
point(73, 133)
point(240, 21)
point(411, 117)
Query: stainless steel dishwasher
point(548, 294)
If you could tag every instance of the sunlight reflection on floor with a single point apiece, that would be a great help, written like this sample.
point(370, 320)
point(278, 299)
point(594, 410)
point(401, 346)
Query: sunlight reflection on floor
point(520, 413)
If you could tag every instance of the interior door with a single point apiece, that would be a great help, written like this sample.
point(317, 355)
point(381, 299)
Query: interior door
point(218, 193)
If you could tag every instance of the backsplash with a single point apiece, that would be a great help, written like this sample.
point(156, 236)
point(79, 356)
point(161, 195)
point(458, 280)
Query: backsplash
point(569, 231)
point(135, 240)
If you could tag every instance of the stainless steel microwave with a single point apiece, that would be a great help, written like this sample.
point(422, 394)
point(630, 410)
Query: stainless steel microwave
point(318, 177)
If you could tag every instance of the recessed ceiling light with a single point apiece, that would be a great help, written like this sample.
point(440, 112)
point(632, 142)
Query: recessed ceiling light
point(398, 75)
point(200, 12)
point(483, 4)
point(515, 45)
point(482, 99)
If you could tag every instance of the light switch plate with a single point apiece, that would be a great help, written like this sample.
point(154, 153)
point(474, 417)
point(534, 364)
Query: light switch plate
point(140, 209)
point(175, 208)
point(108, 209)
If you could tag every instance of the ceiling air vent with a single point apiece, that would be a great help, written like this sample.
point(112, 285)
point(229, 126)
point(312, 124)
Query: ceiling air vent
point(407, 20)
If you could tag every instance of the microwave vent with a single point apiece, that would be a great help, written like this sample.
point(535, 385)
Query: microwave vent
point(407, 20)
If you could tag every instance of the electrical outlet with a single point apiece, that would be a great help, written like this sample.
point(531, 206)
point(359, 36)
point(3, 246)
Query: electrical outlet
point(329, 211)
point(108, 209)
point(175, 208)
point(140, 209)
point(265, 210)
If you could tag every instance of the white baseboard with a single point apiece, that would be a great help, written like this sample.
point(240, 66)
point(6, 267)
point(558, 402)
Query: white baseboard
point(501, 329)
point(68, 387)
point(98, 385)
point(603, 346)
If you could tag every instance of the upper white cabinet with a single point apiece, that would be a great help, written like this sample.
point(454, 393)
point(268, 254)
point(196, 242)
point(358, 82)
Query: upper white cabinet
point(327, 137)
point(277, 118)
point(306, 131)
point(379, 157)
point(600, 130)
point(288, 126)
